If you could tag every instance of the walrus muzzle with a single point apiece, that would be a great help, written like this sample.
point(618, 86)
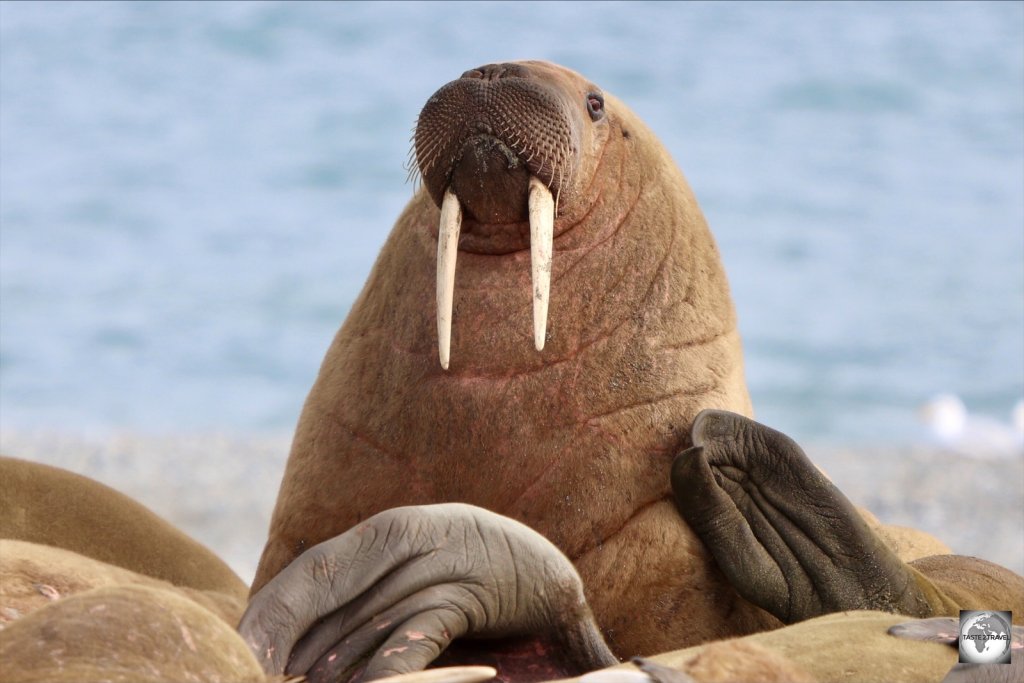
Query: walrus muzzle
point(496, 146)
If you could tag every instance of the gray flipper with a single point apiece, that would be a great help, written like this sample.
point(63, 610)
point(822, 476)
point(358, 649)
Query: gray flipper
point(784, 535)
point(391, 593)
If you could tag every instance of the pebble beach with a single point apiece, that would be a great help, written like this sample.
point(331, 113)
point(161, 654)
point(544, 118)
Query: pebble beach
point(221, 488)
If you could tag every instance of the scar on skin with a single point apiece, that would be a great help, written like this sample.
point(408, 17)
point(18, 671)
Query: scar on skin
point(49, 592)
point(414, 635)
point(332, 657)
point(383, 625)
point(187, 637)
point(394, 650)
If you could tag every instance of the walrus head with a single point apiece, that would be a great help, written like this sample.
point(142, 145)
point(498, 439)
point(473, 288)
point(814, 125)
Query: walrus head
point(497, 149)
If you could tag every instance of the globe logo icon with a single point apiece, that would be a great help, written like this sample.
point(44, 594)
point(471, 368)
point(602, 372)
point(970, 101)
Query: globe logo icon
point(984, 637)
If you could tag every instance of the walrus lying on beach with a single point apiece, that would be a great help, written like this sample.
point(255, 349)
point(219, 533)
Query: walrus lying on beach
point(624, 291)
point(94, 586)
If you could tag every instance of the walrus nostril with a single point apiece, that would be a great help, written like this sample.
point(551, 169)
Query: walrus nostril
point(493, 72)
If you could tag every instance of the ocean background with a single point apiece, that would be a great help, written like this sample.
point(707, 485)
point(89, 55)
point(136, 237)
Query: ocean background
point(192, 195)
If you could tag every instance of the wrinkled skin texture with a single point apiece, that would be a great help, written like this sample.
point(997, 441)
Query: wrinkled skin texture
point(575, 441)
point(793, 544)
point(398, 588)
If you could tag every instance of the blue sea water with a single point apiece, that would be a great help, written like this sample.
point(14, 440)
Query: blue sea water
point(192, 195)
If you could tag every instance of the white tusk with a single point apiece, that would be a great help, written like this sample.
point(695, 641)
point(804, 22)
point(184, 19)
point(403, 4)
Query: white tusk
point(447, 249)
point(542, 235)
point(616, 675)
point(447, 674)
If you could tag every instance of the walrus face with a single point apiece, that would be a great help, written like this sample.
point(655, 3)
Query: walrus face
point(498, 150)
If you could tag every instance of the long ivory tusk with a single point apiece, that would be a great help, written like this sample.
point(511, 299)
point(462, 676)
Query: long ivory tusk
point(447, 249)
point(445, 674)
point(542, 235)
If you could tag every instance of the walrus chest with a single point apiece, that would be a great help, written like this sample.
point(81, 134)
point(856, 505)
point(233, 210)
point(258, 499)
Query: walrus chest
point(572, 449)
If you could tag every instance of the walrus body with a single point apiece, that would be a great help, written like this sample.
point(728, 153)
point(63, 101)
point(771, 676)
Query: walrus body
point(95, 586)
point(575, 441)
point(127, 633)
point(55, 507)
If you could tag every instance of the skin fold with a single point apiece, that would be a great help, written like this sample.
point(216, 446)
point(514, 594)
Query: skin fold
point(392, 593)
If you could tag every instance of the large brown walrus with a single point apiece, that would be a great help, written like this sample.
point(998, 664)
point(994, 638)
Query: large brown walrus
point(550, 213)
point(576, 440)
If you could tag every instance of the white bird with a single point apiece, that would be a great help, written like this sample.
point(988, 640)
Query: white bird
point(951, 427)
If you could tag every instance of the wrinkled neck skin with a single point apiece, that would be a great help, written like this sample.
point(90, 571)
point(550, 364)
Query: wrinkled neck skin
point(576, 440)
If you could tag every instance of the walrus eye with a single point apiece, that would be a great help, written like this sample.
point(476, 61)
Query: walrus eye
point(595, 106)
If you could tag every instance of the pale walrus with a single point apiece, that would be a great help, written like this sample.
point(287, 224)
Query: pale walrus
point(398, 588)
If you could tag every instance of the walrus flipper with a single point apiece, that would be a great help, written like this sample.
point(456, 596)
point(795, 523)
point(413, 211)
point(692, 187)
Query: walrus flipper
point(784, 535)
point(394, 591)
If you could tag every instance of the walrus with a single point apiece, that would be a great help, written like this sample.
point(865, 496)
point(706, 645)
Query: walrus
point(124, 633)
point(32, 575)
point(55, 507)
point(575, 440)
point(574, 230)
point(390, 594)
point(95, 586)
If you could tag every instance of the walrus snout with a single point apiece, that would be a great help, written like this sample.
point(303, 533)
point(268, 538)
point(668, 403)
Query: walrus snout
point(531, 118)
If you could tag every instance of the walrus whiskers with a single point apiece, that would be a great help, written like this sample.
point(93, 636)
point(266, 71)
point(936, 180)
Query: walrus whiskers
point(447, 249)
